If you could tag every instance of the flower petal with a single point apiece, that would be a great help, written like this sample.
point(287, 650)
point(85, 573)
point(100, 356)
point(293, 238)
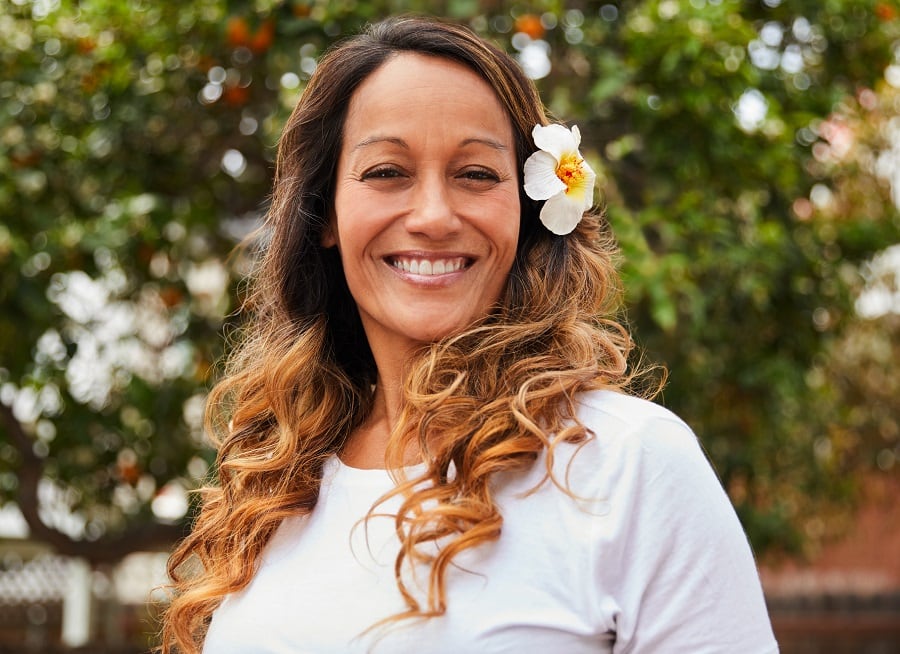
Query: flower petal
point(541, 181)
point(554, 139)
point(561, 215)
point(581, 188)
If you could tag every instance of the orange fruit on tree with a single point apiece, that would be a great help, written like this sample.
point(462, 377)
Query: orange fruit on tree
point(237, 31)
point(263, 37)
point(236, 96)
point(885, 12)
point(531, 25)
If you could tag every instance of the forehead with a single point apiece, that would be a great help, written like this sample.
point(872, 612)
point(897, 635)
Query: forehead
point(415, 93)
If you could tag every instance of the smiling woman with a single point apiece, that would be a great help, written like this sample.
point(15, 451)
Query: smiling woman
point(426, 443)
point(426, 206)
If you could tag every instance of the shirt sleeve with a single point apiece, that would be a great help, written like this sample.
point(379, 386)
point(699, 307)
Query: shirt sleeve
point(672, 554)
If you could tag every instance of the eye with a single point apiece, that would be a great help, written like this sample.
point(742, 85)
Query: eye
point(480, 175)
point(382, 172)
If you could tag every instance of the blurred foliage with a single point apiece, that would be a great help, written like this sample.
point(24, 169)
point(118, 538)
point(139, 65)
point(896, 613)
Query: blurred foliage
point(744, 151)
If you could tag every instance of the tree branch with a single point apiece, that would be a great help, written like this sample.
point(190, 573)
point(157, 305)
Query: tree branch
point(141, 537)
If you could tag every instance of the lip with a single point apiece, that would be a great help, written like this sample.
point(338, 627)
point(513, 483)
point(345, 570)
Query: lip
point(429, 268)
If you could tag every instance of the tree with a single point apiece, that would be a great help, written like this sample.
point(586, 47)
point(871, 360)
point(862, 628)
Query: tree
point(742, 269)
point(137, 147)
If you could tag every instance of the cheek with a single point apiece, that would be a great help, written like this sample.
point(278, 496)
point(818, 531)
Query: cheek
point(347, 225)
point(503, 225)
point(353, 229)
point(357, 208)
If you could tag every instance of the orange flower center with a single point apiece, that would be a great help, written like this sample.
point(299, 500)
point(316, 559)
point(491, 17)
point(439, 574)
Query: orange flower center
point(569, 170)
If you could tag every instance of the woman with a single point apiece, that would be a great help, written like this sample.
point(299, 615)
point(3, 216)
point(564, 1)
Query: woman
point(424, 443)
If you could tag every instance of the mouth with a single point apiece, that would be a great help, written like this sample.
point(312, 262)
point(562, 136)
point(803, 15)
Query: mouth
point(429, 266)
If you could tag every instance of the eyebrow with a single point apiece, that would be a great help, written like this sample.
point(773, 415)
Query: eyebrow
point(372, 140)
point(491, 143)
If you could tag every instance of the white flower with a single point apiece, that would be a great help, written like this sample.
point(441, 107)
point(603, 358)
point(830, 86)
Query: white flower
point(559, 174)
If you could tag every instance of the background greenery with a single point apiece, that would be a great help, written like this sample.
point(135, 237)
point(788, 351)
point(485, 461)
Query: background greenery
point(746, 153)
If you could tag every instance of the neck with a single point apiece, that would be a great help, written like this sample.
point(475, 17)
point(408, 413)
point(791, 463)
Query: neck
point(367, 444)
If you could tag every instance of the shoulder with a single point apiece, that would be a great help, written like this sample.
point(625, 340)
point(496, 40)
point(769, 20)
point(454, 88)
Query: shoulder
point(671, 556)
point(637, 451)
point(638, 429)
point(616, 412)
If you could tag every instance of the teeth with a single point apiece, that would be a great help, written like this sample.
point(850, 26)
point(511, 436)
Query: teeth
point(428, 267)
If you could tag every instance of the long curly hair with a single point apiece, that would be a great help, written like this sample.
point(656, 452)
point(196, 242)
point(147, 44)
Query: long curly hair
point(300, 379)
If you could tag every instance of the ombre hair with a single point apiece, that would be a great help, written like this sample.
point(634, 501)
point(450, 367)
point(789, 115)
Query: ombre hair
point(300, 379)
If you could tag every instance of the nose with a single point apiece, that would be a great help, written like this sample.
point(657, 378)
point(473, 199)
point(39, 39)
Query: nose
point(432, 213)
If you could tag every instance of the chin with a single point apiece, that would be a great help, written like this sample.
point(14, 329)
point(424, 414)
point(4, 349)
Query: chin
point(436, 333)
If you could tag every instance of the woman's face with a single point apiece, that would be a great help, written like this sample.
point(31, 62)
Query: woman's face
point(426, 200)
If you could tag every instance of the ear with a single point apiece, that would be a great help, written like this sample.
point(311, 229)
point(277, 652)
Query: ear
point(329, 236)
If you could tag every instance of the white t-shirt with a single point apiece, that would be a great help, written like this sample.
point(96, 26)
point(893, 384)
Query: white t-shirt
point(652, 559)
